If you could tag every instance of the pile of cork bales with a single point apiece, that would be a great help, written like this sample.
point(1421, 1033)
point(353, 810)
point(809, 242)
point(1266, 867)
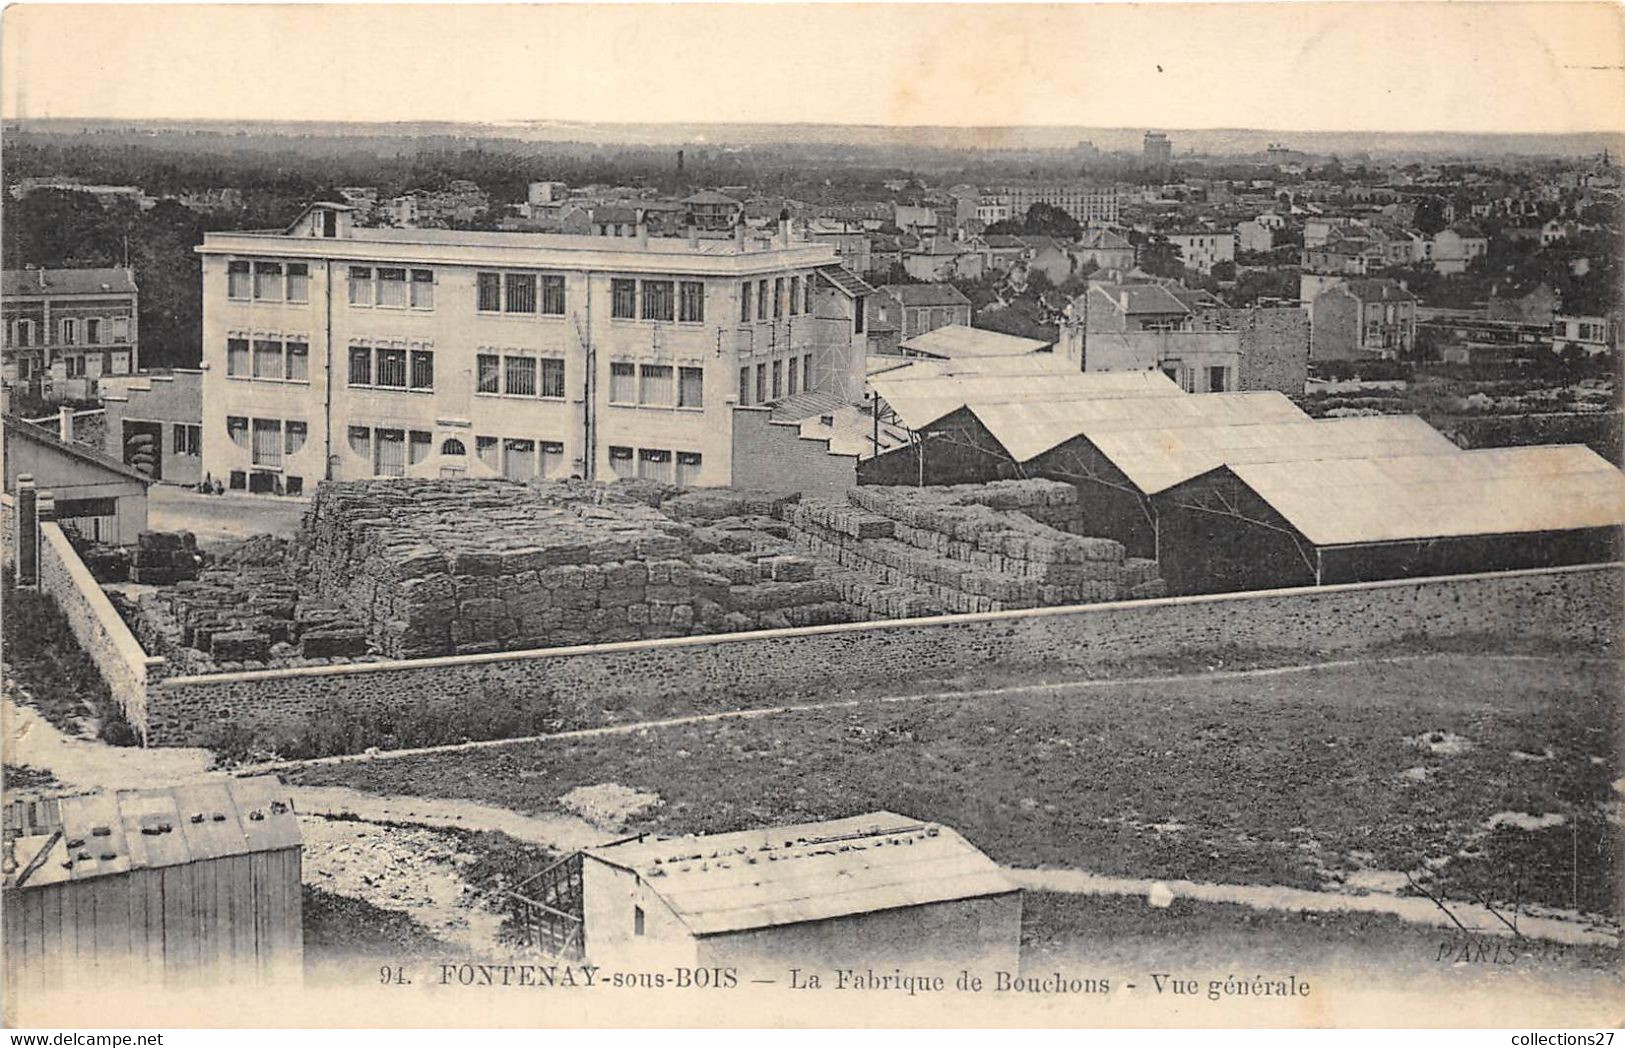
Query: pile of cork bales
point(438, 567)
point(162, 558)
point(245, 610)
point(951, 546)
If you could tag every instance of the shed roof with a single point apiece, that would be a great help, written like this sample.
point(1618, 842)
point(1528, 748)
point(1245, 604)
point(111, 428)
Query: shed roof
point(845, 281)
point(102, 834)
point(926, 294)
point(919, 403)
point(731, 882)
point(17, 426)
point(954, 341)
point(1157, 459)
point(1491, 491)
point(1027, 430)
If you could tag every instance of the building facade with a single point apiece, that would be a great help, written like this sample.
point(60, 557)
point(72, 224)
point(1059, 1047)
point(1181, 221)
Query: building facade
point(1361, 319)
point(66, 328)
point(1085, 202)
point(345, 353)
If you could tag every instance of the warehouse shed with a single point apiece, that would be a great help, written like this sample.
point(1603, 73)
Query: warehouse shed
point(957, 342)
point(881, 889)
point(1259, 525)
point(191, 885)
point(1117, 469)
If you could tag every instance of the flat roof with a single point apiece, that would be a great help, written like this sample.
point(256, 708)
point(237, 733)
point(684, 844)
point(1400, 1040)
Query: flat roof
point(1157, 459)
point(954, 341)
point(1027, 430)
point(731, 882)
point(1491, 491)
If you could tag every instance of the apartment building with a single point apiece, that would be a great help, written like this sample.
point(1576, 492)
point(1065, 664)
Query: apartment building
point(341, 352)
point(66, 328)
point(1085, 202)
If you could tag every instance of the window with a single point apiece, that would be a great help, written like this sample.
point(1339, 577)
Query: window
point(691, 387)
point(519, 376)
point(521, 288)
point(389, 452)
point(806, 373)
point(744, 302)
point(790, 377)
point(623, 298)
point(620, 461)
point(490, 292)
point(237, 356)
point(294, 434)
point(70, 331)
point(238, 280)
point(744, 386)
point(658, 300)
point(778, 297)
point(553, 296)
point(267, 359)
point(298, 282)
point(188, 439)
point(239, 480)
point(391, 370)
point(857, 315)
point(518, 459)
point(761, 300)
point(361, 442)
point(268, 281)
point(490, 373)
point(654, 464)
point(298, 362)
point(552, 380)
point(418, 444)
point(360, 366)
point(552, 458)
point(692, 305)
point(637, 920)
point(688, 467)
point(391, 287)
point(489, 451)
point(237, 430)
point(452, 446)
point(809, 304)
point(267, 450)
point(795, 295)
point(121, 329)
point(422, 289)
point(654, 385)
point(761, 383)
point(360, 285)
point(622, 383)
point(778, 379)
point(75, 366)
point(422, 376)
point(93, 331)
point(1216, 380)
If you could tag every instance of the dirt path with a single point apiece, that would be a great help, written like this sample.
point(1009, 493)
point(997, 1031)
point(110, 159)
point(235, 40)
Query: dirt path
point(1551, 925)
point(89, 764)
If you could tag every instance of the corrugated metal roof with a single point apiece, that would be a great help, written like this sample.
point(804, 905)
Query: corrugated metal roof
point(102, 834)
point(1157, 459)
point(1027, 430)
point(1492, 491)
point(957, 342)
point(733, 882)
point(920, 402)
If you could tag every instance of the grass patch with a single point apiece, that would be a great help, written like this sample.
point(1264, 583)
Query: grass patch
point(1293, 779)
point(21, 778)
point(52, 673)
point(338, 927)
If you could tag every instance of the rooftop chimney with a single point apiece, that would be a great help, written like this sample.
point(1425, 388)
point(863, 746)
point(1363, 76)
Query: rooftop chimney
point(784, 227)
point(739, 234)
point(64, 424)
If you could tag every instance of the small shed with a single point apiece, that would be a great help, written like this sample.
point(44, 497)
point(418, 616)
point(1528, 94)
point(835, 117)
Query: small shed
point(102, 497)
point(188, 885)
point(875, 889)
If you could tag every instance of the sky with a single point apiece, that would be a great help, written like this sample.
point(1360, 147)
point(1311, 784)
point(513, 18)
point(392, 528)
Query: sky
point(1512, 67)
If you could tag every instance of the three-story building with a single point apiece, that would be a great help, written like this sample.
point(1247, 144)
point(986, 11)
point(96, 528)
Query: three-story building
point(341, 352)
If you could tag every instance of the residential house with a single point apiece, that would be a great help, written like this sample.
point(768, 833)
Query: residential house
point(713, 210)
point(938, 258)
point(1594, 334)
point(1524, 304)
point(1253, 238)
point(66, 328)
point(1104, 248)
point(926, 307)
point(1456, 247)
point(1361, 319)
point(1202, 249)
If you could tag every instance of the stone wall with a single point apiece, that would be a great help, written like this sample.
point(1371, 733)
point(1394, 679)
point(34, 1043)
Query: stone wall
point(632, 681)
point(127, 668)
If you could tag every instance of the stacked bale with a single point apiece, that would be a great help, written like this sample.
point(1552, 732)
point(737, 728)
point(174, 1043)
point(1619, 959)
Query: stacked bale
point(163, 558)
